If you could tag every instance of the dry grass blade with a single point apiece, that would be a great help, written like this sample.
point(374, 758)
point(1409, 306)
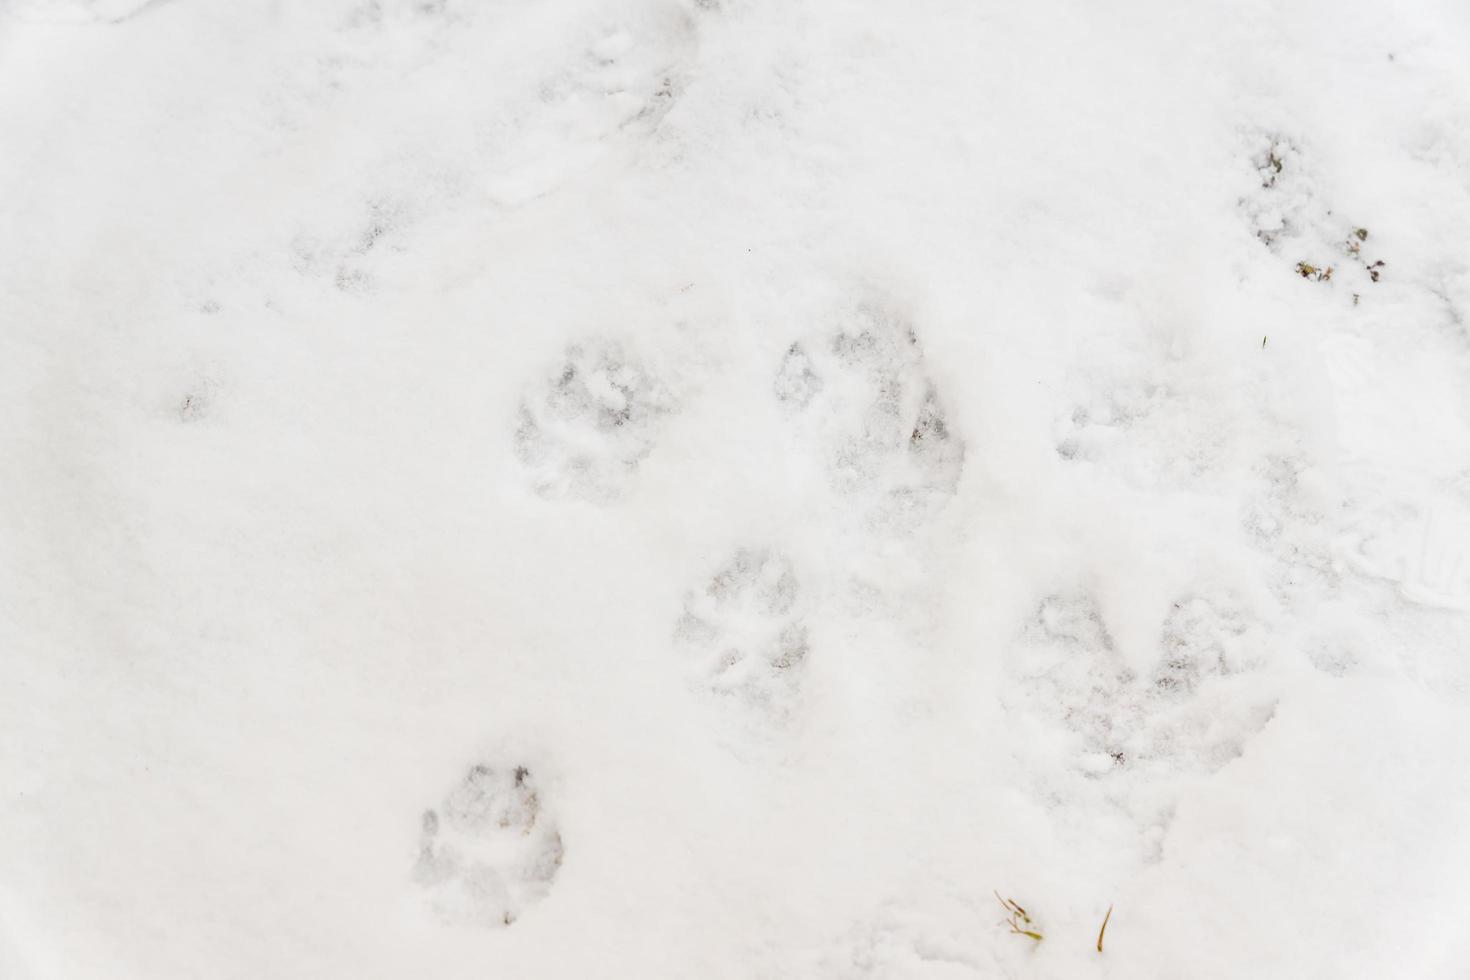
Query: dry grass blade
point(1009, 904)
point(1104, 928)
point(1016, 916)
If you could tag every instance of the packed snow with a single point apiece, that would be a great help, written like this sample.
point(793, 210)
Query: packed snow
point(734, 489)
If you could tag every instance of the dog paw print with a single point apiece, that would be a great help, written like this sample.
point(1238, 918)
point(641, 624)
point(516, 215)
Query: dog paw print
point(1200, 640)
point(1206, 699)
point(797, 382)
point(743, 632)
point(1073, 673)
point(1073, 621)
point(1184, 715)
point(865, 400)
point(1094, 430)
point(1135, 739)
point(584, 431)
point(614, 84)
point(489, 851)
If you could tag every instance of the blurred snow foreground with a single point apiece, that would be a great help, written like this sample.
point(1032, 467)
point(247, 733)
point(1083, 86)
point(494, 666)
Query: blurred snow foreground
point(722, 489)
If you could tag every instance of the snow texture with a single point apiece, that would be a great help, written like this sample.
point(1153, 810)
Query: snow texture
point(734, 489)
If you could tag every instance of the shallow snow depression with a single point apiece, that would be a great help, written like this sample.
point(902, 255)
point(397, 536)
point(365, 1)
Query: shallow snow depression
point(723, 489)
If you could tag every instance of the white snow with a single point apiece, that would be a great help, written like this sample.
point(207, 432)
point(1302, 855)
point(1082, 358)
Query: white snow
point(721, 489)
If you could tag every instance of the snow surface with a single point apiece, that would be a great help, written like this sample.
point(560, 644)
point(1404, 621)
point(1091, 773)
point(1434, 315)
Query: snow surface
point(720, 489)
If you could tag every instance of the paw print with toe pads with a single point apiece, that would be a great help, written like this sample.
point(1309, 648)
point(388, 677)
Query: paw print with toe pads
point(490, 850)
point(584, 430)
point(865, 401)
point(1193, 711)
point(744, 634)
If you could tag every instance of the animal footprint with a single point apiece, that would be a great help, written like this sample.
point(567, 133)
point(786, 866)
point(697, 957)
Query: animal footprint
point(1074, 621)
point(743, 632)
point(797, 382)
point(1078, 675)
point(489, 851)
point(618, 84)
point(1185, 716)
point(584, 431)
point(866, 400)
point(1199, 643)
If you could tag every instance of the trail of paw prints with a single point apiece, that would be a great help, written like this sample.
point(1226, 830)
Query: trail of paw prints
point(489, 851)
point(584, 430)
point(743, 634)
point(1190, 712)
point(868, 406)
